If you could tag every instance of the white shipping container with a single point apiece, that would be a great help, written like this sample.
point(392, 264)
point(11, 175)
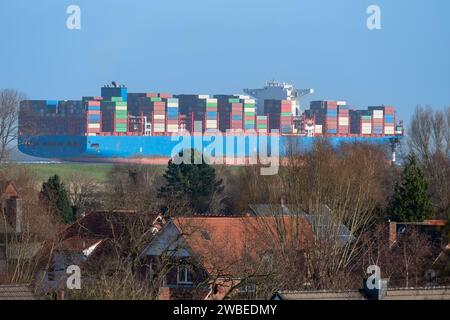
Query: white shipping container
point(159, 116)
point(94, 125)
point(249, 101)
point(243, 97)
point(343, 121)
point(172, 104)
point(249, 110)
point(211, 122)
point(203, 96)
point(318, 129)
point(121, 108)
point(211, 100)
point(341, 103)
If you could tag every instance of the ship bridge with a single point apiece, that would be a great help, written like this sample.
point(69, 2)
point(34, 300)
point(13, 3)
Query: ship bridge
point(278, 91)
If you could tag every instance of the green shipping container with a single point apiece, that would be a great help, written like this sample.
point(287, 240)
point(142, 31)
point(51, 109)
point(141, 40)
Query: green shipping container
point(155, 99)
point(234, 100)
point(121, 114)
point(286, 114)
point(116, 99)
point(121, 103)
point(250, 114)
point(212, 104)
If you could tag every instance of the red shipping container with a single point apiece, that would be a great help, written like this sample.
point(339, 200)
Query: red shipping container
point(152, 95)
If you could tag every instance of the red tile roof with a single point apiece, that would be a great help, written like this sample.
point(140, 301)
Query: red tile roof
point(8, 189)
point(221, 244)
point(437, 223)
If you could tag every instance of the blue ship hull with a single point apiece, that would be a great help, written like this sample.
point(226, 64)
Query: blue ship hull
point(153, 149)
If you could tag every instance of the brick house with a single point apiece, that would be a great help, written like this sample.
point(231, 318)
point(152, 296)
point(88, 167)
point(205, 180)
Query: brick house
point(216, 257)
point(90, 240)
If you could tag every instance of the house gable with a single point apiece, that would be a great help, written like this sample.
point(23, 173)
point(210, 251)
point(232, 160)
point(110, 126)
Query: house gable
point(168, 240)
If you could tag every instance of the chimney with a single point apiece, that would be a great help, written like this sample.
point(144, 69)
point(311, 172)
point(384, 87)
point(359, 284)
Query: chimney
point(13, 210)
point(284, 209)
point(392, 233)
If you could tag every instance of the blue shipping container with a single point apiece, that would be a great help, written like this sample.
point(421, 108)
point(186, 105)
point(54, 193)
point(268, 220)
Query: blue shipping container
point(94, 118)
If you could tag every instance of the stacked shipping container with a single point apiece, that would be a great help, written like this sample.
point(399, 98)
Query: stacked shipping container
point(344, 118)
point(172, 115)
point(389, 121)
point(262, 124)
point(249, 113)
point(192, 110)
point(279, 114)
point(237, 111)
point(211, 114)
point(159, 114)
point(230, 109)
point(93, 117)
point(366, 123)
point(377, 121)
point(286, 116)
point(331, 117)
point(167, 114)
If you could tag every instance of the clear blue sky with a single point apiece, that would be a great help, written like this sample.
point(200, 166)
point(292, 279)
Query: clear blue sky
point(222, 46)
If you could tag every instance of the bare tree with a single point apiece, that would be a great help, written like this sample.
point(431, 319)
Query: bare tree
point(83, 193)
point(335, 188)
point(403, 262)
point(9, 108)
point(429, 139)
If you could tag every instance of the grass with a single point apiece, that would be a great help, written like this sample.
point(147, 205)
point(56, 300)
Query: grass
point(98, 172)
point(42, 171)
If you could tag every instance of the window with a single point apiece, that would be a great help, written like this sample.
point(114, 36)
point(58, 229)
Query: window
point(184, 275)
point(246, 290)
point(247, 287)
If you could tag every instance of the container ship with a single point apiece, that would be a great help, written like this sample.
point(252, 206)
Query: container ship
point(122, 127)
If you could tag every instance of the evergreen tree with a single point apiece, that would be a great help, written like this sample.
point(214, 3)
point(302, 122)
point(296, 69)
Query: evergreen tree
point(411, 202)
point(54, 195)
point(197, 182)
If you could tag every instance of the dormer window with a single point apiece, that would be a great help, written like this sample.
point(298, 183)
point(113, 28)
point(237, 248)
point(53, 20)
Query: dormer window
point(184, 275)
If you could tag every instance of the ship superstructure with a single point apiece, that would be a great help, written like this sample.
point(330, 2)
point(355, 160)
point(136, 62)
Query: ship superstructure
point(274, 90)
